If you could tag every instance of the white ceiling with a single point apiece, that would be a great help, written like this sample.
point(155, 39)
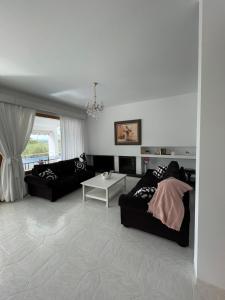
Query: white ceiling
point(136, 49)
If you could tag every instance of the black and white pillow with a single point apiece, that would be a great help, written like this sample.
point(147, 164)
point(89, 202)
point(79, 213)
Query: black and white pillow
point(79, 166)
point(145, 192)
point(160, 171)
point(83, 158)
point(48, 174)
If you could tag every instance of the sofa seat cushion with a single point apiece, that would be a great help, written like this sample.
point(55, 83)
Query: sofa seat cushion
point(133, 203)
point(59, 183)
point(36, 180)
point(64, 182)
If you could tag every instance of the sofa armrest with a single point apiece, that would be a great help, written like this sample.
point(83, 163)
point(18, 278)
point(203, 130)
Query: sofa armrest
point(125, 200)
point(186, 200)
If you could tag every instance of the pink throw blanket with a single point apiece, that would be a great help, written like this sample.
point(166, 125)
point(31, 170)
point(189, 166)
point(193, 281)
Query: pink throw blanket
point(167, 205)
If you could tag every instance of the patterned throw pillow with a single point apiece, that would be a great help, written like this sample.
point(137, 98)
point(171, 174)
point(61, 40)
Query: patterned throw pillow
point(48, 174)
point(159, 172)
point(83, 158)
point(145, 192)
point(79, 166)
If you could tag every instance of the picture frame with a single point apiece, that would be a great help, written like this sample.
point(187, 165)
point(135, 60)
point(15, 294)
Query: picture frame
point(127, 132)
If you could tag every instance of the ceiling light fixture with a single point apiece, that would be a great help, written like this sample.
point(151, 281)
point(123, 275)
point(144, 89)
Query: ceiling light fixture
point(93, 107)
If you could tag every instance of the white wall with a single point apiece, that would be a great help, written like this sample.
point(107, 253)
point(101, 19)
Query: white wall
point(40, 104)
point(165, 122)
point(210, 202)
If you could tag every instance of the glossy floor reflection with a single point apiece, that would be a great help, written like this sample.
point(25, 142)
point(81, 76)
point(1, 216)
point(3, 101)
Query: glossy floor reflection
point(66, 250)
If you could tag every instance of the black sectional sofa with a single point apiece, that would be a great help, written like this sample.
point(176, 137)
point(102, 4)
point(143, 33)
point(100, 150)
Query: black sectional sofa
point(67, 179)
point(134, 209)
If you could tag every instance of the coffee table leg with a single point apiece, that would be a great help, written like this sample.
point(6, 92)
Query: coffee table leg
point(83, 193)
point(107, 197)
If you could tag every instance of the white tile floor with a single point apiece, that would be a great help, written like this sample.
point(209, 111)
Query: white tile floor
point(67, 250)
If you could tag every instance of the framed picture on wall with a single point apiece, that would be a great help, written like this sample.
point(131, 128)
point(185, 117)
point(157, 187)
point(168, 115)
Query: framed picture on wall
point(127, 132)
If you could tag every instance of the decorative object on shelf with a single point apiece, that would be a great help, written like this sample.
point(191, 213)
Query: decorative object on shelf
point(163, 151)
point(128, 132)
point(93, 107)
point(107, 175)
point(146, 161)
point(158, 151)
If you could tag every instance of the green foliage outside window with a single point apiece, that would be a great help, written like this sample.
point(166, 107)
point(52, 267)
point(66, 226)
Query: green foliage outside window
point(35, 147)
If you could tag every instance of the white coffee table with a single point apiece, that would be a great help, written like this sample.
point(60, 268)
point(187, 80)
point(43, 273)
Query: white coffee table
point(103, 189)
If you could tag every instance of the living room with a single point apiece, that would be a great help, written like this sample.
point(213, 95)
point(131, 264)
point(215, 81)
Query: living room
point(111, 118)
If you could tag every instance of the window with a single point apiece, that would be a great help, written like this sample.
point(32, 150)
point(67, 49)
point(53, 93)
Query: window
point(44, 145)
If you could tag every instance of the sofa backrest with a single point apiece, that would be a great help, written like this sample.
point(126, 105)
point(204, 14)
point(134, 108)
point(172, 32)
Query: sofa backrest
point(61, 168)
point(67, 167)
point(173, 170)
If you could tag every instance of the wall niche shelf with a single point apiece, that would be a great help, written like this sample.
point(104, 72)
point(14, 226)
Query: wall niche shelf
point(168, 152)
point(169, 156)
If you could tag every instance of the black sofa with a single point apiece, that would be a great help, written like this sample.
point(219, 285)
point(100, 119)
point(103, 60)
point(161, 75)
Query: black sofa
point(134, 209)
point(68, 180)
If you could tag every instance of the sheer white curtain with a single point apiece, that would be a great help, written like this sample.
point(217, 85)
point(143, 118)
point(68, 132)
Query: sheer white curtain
point(16, 124)
point(72, 137)
point(0, 183)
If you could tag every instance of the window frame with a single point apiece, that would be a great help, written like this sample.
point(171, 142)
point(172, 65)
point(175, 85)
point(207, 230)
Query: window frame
point(42, 115)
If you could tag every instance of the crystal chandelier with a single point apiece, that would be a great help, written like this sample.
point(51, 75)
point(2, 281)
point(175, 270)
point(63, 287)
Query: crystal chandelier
point(93, 107)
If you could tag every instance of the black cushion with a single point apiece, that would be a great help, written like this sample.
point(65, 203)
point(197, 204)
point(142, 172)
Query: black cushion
point(182, 175)
point(173, 170)
point(148, 179)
